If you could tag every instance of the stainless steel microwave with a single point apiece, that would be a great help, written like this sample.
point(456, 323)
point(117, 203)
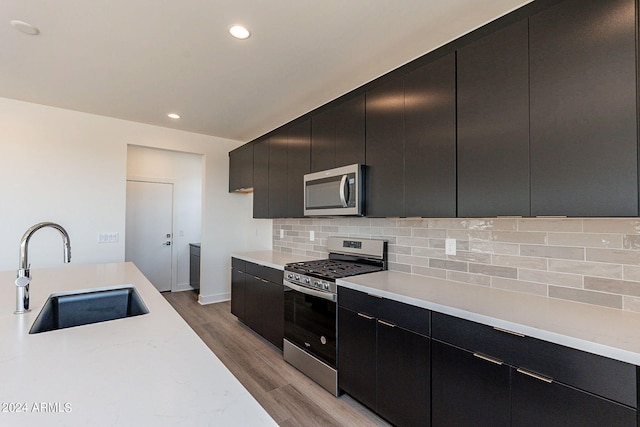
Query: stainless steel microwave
point(334, 192)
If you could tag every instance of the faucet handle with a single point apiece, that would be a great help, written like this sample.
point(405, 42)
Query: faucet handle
point(23, 278)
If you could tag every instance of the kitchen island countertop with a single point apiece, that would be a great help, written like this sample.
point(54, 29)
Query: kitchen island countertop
point(148, 370)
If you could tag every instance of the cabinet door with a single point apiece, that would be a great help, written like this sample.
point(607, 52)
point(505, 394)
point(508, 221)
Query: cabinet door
point(385, 150)
point(323, 140)
point(253, 308)
point(583, 109)
point(357, 356)
point(338, 135)
point(467, 390)
point(238, 293)
point(261, 179)
point(350, 132)
point(298, 164)
point(493, 124)
point(273, 313)
point(278, 186)
point(537, 403)
point(430, 140)
point(403, 376)
point(241, 168)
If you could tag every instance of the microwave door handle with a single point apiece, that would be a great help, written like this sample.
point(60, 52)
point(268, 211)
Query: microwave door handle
point(343, 192)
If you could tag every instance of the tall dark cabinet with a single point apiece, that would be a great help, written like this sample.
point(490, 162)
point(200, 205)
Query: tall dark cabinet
point(430, 139)
point(278, 185)
point(338, 135)
point(385, 150)
point(298, 164)
point(584, 155)
point(493, 124)
point(241, 168)
point(261, 178)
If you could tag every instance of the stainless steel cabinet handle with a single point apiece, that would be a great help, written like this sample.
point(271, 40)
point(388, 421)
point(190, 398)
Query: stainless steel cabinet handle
point(536, 376)
point(506, 331)
point(343, 195)
point(365, 316)
point(391, 325)
point(488, 358)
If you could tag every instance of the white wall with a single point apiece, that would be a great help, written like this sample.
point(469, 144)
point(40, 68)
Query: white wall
point(184, 171)
point(70, 167)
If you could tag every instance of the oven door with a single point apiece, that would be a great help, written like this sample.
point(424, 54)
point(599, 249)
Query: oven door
point(310, 321)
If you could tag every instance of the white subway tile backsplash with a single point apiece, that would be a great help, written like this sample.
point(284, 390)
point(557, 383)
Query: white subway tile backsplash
point(593, 261)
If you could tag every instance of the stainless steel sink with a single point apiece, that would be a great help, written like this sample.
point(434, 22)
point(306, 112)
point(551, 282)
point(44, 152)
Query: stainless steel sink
point(69, 309)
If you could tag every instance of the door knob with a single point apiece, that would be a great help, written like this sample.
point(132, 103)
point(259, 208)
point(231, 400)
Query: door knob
point(167, 243)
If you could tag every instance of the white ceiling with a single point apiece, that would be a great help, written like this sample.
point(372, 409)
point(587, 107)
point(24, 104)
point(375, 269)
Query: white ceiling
point(141, 59)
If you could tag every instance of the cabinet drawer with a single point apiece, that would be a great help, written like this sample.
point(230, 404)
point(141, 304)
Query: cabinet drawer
point(406, 316)
point(238, 264)
point(263, 272)
point(599, 375)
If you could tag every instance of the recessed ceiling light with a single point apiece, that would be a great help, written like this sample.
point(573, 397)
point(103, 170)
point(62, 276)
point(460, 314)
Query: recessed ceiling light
point(173, 115)
point(25, 27)
point(239, 32)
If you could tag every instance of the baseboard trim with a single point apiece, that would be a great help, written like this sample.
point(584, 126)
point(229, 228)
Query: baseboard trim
point(212, 299)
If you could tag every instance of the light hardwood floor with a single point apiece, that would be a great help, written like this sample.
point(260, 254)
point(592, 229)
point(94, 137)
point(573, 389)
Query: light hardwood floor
point(287, 395)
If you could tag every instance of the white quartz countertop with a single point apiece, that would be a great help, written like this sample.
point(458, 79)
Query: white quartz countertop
point(148, 370)
point(604, 331)
point(271, 259)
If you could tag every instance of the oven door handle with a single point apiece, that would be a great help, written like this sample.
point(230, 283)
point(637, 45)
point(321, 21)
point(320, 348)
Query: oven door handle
point(307, 291)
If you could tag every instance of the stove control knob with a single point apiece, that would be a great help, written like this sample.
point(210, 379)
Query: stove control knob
point(326, 286)
point(307, 280)
point(316, 283)
point(289, 276)
point(297, 277)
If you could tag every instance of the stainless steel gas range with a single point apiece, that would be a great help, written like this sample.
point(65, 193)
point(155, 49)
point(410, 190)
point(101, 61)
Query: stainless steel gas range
point(310, 296)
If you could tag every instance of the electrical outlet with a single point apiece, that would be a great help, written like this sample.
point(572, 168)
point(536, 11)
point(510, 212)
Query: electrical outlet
point(450, 246)
point(312, 235)
point(282, 233)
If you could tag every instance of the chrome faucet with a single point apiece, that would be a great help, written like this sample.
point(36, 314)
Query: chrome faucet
point(24, 277)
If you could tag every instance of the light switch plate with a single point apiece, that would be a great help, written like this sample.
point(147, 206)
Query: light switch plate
point(281, 233)
point(450, 246)
point(312, 235)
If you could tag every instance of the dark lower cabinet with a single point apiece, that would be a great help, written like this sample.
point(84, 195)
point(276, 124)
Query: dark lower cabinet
point(238, 289)
point(257, 299)
point(194, 265)
point(467, 390)
point(381, 363)
point(482, 376)
point(403, 380)
point(357, 356)
point(253, 306)
point(538, 403)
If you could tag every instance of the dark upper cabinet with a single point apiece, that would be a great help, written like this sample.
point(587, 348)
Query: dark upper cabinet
point(430, 140)
point(385, 150)
point(278, 184)
point(493, 124)
point(241, 168)
point(261, 179)
point(298, 159)
point(338, 135)
point(584, 158)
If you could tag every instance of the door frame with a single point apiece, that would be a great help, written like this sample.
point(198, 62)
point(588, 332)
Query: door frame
point(174, 253)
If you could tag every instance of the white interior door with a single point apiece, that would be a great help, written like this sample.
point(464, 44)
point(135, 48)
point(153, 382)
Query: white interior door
point(149, 232)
